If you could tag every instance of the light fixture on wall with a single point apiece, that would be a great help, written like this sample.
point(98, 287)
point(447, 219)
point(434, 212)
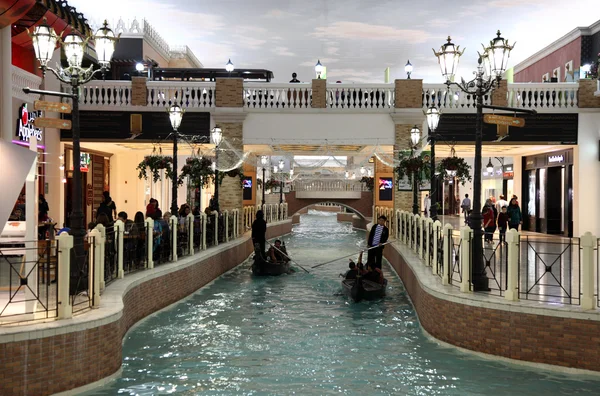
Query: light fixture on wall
point(229, 67)
point(319, 69)
point(490, 167)
point(408, 68)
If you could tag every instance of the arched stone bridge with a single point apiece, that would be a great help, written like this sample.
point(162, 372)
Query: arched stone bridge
point(362, 206)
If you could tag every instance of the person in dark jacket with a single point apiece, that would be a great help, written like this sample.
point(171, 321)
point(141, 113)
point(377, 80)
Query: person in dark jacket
point(107, 207)
point(377, 237)
point(503, 223)
point(515, 218)
point(259, 231)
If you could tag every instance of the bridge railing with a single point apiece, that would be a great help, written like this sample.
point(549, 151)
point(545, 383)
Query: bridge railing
point(329, 185)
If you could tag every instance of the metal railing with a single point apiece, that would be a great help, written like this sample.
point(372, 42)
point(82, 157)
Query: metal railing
point(28, 274)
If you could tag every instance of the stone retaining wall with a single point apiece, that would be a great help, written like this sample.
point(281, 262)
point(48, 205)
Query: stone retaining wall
point(53, 357)
point(561, 341)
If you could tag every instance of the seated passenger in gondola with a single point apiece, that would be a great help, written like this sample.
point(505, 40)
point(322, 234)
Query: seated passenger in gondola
point(352, 273)
point(275, 253)
point(374, 275)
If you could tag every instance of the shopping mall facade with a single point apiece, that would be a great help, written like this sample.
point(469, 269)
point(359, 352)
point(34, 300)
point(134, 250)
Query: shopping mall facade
point(552, 163)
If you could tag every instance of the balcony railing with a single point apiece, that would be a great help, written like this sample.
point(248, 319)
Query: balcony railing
point(290, 97)
point(328, 185)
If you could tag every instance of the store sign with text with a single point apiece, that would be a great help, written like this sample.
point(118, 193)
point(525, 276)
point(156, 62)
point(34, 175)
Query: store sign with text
point(25, 128)
point(552, 159)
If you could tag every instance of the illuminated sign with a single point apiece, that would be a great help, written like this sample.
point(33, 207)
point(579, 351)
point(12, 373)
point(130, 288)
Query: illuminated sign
point(556, 158)
point(25, 128)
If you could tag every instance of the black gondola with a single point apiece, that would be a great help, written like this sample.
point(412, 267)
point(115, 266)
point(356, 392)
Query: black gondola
point(361, 289)
point(262, 267)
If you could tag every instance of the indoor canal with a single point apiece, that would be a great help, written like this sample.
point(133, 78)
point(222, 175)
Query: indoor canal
point(297, 334)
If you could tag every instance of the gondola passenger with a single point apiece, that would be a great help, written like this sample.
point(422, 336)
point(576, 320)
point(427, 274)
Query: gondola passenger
point(352, 273)
point(275, 253)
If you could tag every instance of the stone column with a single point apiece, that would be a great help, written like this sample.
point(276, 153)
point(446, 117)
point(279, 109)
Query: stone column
point(403, 200)
point(319, 94)
point(500, 94)
point(586, 98)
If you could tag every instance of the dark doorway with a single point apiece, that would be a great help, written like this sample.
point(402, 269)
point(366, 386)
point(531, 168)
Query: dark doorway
point(555, 177)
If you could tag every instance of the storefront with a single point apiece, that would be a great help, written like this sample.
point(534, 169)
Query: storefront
point(499, 181)
point(547, 201)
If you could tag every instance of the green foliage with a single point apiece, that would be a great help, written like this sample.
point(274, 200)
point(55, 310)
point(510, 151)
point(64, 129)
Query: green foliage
point(411, 165)
point(232, 173)
point(199, 170)
point(369, 182)
point(271, 184)
point(463, 170)
point(155, 163)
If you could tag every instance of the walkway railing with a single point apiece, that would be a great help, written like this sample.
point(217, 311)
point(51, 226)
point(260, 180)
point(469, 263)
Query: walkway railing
point(32, 287)
point(328, 185)
point(533, 267)
point(341, 97)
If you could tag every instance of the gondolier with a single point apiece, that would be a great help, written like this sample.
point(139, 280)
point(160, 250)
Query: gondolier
point(377, 237)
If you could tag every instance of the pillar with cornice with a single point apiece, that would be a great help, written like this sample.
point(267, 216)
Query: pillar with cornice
point(408, 112)
point(229, 116)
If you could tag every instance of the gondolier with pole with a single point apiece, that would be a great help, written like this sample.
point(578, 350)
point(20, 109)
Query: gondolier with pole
point(377, 237)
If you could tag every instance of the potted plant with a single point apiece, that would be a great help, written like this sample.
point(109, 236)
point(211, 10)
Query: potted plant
point(155, 163)
point(411, 165)
point(455, 167)
point(199, 170)
point(369, 182)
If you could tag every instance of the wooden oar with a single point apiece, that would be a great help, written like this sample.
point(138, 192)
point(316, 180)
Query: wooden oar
point(352, 254)
point(289, 258)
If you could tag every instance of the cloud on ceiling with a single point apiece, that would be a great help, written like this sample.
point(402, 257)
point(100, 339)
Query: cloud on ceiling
point(366, 31)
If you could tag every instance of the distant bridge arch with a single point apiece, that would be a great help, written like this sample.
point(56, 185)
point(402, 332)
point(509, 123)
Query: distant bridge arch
point(362, 206)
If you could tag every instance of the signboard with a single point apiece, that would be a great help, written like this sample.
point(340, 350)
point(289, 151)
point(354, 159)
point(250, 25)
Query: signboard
point(504, 120)
point(552, 159)
point(45, 122)
point(84, 163)
point(26, 127)
point(508, 172)
point(386, 192)
point(56, 107)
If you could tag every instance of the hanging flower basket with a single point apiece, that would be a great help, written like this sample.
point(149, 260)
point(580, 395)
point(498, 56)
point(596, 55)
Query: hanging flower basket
point(412, 166)
point(369, 182)
point(199, 170)
point(456, 166)
point(237, 172)
point(155, 163)
point(271, 184)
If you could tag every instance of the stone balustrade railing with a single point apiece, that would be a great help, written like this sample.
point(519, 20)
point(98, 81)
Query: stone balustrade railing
point(328, 185)
point(550, 97)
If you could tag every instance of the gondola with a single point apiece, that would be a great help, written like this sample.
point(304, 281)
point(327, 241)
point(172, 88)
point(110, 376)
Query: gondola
point(262, 267)
point(361, 289)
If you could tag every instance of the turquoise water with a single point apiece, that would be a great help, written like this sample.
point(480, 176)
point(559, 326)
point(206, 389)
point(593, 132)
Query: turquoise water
point(296, 334)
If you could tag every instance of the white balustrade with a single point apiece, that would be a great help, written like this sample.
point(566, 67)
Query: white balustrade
point(444, 97)
point(328, 185)
point(277, 96)
point(357, 97)
point(543, 96)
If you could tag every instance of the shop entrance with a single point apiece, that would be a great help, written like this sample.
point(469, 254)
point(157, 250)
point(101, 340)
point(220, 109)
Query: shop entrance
point(547, 199)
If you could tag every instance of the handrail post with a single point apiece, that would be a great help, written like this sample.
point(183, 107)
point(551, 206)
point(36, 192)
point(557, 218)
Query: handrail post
point(174, 223)
point(447, 256)
point(428, 241)
point(150, 242)
point(119, 230)
point(587, 242)
point(190, 219)
point(226, 220)
point(216, 214)
point(465, 257)
point(421, 230)
point(203, 220)
point(416, 230)
point(512, 270)
point(102, 231)
point(97, 264)
point(65, 244)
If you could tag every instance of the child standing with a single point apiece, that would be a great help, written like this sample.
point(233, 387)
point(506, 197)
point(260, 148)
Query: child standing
point(503, 223)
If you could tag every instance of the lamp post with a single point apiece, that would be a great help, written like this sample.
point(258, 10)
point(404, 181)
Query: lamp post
point(433, 118)
point(44, 40)
point(216, 136)
point(415, 137)
point(175, 116)
point(319, 69)
point(408, 68)
point(281, 165)
point(497, 54)
point(264, 160)
point(229, 67)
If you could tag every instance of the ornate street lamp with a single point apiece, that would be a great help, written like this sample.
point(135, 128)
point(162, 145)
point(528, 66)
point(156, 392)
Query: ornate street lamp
point(229, 67)
point(415, 137)
point(216, 137)
point(408, 68)
point(490, 167)
point(433, 118)
point(264, 160)
point(448, 57)
point(363, 170)
point(281, 165)
point(319, 69)
point(175, 116)
point(44, 40)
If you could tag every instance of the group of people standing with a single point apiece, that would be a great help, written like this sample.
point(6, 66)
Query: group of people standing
point(497, 215)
